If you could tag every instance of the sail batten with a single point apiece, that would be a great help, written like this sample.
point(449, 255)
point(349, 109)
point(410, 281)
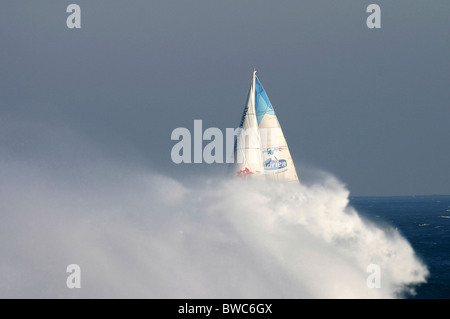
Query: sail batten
point(261, 147)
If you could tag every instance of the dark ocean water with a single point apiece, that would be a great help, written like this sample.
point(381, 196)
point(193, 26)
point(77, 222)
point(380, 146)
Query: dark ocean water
point(425, 222)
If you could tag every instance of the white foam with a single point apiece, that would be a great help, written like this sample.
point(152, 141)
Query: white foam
point(140, 234)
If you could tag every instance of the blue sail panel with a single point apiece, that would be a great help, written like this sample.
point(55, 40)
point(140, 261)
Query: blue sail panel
point(262, 103)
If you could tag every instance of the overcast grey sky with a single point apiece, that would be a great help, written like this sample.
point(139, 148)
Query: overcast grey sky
point(370, 106)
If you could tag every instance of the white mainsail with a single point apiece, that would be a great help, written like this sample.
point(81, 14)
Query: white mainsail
point(261, 147)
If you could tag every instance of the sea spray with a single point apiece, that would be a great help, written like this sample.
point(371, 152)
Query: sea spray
point(137, 234)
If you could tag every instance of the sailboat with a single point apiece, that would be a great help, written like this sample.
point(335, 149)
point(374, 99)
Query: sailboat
point(261, 149)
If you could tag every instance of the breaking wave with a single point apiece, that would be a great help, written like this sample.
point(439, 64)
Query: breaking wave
point(143, 235)
point(139, 234)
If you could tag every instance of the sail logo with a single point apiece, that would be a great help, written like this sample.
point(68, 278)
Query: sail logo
point(271, 164)
point(244, 173)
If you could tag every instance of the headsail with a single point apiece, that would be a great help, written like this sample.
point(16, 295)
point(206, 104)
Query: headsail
point(248, 144)
point(262, 139)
